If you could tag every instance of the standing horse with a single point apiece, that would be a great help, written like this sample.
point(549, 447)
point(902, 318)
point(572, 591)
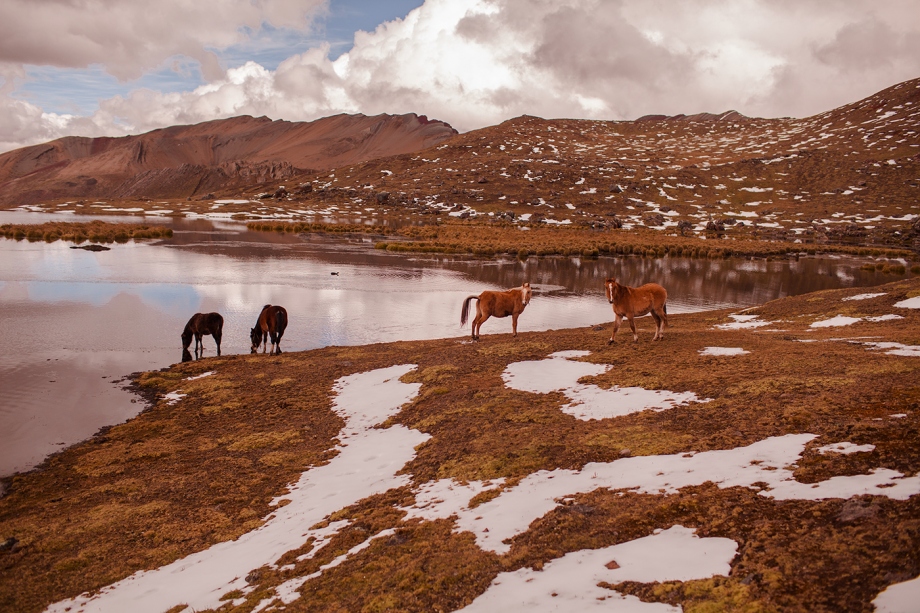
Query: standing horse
point(271, 324)
point(199, 325)
point(500, 304)
point(631, 302)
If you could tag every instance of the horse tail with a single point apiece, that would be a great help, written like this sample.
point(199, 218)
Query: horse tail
point(280, 321)
point(465, 312)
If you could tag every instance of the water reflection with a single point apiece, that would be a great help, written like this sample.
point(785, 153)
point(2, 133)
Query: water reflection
point(96, 316)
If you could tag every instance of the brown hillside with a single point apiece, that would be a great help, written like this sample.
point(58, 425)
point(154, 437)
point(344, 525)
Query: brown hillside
point(183, 161)
point(851, 174)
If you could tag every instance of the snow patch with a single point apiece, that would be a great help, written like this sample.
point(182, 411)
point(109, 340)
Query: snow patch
point(834, 322)
point(723, 351)
point(559, 373)
point(570, 583)
point(864, 296)
point(910, 303)
point(845, 448)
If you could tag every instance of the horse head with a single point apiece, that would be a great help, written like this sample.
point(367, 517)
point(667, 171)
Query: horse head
point(526, 293)
point(186, 339)
point(610, 286)
point(255, 335)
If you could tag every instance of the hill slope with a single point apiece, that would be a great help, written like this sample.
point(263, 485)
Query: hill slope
point(846, 173)
point(183, 161)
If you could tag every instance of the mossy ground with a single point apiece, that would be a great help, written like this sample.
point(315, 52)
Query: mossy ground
point(181, 477)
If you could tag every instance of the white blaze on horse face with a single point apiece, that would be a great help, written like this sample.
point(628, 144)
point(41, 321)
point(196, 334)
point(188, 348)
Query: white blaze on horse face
point(608, 287)
point(526, 293)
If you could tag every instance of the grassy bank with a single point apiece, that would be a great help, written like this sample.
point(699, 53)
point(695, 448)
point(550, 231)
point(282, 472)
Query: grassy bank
point(190, 473)
point(81, 232)
point(524, 241)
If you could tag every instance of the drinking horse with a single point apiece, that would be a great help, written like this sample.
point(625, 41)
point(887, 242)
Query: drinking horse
point(199, 325)
point(271, 324)
point(498, 304)
point(631, 302)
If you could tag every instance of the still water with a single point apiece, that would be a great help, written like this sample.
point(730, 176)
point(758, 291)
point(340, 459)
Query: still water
point(73, 322)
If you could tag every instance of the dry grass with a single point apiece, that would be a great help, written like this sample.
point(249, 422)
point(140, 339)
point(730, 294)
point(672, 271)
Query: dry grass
point(179, 478)
point(81, 232)
point(504, 239)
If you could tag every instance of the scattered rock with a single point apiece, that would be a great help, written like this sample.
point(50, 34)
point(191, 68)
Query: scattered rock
point(856, 509)
point(92, 247)
point(9, 544)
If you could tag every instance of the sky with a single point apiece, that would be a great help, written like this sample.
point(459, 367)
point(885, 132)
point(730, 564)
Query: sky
point(116, 67)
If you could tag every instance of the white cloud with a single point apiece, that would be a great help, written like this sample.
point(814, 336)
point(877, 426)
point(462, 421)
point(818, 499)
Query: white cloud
point(478, 62)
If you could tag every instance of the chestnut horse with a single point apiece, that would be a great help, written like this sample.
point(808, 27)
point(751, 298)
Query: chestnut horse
point(271, 324)
point(499, 304)
point(631, 302)
point(199, 325)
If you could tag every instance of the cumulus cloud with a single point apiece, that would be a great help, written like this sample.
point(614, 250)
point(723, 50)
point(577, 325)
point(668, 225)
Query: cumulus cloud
point(477, 62)
point(130, 37)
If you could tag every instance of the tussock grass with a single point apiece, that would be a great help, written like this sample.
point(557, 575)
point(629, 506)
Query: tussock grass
point(81, 232)
point(507, 240)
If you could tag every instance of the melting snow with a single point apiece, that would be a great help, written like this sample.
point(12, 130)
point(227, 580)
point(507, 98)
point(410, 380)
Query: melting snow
point(367, 464)
point(173, 397)
point(744, 322)
point(768, 463)
point(899, 598)
point(570, 583)
point(558, 373)
point(910, 303)
point(889, 317)
point(369, 459)
point(201, 376)
point(840, 320)
point(723, 351)
point(845, 448)
point(897, 349)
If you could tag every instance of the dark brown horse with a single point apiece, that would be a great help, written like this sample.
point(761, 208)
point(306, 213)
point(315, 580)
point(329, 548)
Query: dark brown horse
point(631, 302)
point(498, 304)
point(271, 324)
point(202, 324)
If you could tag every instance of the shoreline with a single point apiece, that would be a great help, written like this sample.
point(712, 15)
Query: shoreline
point(204, 469)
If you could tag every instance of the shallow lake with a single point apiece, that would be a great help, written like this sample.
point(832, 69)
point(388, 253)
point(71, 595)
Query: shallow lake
point(74, 322)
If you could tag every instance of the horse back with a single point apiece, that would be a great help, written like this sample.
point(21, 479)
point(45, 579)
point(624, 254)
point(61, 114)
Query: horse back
point(215, 323)
point(273, 318)
point(639, 301)
point(501, 304)
point(657, 294)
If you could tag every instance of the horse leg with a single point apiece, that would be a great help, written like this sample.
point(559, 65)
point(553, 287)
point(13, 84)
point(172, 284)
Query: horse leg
point(482, 320)
point(658, 323)
point(616, 326)
point(217, 341)
point(514, 317)
point(474, 332)
point(632, 325)
point(264, 341)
